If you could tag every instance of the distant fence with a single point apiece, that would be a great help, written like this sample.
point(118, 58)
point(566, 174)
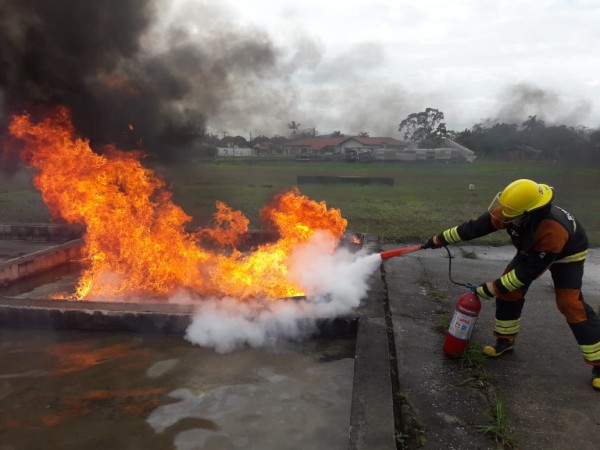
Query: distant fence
point(329, 179)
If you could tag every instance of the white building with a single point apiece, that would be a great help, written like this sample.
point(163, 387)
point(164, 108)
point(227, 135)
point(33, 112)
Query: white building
point(233, 152)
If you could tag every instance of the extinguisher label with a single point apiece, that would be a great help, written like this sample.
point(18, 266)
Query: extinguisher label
point(462, 325)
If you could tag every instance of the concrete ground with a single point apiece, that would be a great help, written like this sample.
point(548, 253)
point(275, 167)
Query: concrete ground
point(437, 404)
point(544, 383)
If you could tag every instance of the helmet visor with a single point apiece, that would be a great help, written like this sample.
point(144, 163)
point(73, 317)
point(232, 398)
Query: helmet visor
point(504, 213)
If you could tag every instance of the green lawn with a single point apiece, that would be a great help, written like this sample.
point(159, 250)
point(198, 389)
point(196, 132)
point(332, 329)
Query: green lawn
point(425, 198)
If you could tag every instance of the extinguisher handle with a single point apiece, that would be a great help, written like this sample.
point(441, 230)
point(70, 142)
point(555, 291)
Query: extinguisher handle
point(471, 287)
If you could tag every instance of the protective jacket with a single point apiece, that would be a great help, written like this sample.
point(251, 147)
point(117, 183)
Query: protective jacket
point(548, 235)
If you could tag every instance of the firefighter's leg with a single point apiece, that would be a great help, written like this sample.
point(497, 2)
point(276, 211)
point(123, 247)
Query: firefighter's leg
point(508, 322)
point(508, 318)
point(580, 316)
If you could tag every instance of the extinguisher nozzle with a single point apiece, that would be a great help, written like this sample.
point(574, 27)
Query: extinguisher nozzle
point(399, 251)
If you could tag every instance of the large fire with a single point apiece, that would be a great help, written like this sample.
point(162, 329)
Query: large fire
point(135, 240)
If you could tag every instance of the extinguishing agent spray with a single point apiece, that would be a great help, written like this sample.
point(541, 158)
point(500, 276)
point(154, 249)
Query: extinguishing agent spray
point(465, 315)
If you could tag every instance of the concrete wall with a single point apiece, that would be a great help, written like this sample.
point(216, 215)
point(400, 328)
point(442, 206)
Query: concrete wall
point(38, 262)
point(41, 231)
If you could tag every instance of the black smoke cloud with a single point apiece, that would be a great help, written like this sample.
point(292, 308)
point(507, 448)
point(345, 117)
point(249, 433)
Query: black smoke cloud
point(123, 82)
point(523, 100)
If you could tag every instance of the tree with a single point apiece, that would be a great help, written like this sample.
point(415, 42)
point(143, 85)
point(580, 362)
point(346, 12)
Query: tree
point(562, 142)
point(294, 126)
point(210, 139)
point(483, 125)
point(440, 132)
point(594, 147)
point(260, 139)
point(527, 140)
point(419, 126)
point(233, 141)
point(532, 124)
point(306, 133)
point(490, 140)
point(363, 134)
point(337, 133)
point(278, 144)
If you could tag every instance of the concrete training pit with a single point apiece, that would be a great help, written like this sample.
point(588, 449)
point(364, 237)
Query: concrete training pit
point(220, 401)
point(337, 398)
point(30, 283)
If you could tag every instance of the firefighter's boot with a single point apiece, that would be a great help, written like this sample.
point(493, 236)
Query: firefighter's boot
point(596, 377)
point(502, 346)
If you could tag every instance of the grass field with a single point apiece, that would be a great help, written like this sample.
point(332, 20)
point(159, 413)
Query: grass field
point(425, 198)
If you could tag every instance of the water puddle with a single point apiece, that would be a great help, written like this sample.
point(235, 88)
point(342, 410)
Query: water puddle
point(98, 390)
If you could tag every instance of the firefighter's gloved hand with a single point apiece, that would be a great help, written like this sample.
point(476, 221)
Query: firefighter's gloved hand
point(486, 290)
point(433, 242)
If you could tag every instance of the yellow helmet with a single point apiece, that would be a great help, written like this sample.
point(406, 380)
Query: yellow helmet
point(520, 197)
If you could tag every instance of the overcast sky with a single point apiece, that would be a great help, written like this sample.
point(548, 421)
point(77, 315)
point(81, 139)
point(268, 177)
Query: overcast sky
point(167, 69)
point(363, 65)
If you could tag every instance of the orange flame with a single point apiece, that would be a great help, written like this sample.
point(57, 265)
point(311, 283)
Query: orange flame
point(135, 239)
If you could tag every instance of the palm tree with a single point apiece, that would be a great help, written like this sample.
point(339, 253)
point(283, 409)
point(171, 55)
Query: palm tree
point(294, 126)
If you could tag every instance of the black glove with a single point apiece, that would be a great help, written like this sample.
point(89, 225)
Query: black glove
point(433, 242)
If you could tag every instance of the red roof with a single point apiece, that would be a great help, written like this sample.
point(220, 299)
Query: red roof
point(378, 141)
point(318, 143)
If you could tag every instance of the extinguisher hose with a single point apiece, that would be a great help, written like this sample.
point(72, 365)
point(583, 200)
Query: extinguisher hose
point(469, 286)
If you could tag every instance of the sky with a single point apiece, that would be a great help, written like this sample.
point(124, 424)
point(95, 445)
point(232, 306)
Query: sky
point(364, 65)
point(156, 74)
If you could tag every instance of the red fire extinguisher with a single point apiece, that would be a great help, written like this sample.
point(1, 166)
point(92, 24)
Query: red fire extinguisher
point(465, 315)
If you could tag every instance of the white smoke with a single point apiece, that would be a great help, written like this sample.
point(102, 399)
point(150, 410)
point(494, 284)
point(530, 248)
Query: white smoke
point(334, 282)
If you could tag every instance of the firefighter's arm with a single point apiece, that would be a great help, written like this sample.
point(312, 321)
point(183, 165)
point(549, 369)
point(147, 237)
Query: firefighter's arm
point(471, 229)
point(550, 238)
point(534, 265)
point(486, 290)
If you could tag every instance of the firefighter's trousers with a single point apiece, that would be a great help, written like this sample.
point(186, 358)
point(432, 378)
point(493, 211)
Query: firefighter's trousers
point(582, 319)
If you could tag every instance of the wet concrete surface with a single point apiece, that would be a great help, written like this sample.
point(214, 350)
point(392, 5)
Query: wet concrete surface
point(165, 393)
point(544, 384)
point(59, 282)
point(78, 389)
point(94, 390)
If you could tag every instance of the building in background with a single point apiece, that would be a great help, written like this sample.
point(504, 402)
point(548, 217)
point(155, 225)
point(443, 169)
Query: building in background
point(358, 148)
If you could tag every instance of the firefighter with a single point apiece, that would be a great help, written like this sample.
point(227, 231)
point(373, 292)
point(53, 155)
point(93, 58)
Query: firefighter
point(546, 238)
